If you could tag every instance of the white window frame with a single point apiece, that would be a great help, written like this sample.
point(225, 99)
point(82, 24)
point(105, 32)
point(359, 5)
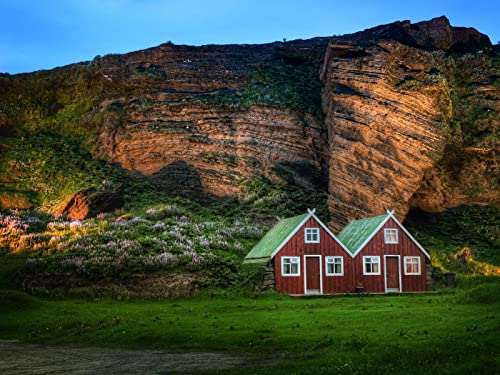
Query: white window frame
point(296, 260)
point(311, 231)
point(407, 260)
point(388, 230)
point(331, 260)
point(364, 264)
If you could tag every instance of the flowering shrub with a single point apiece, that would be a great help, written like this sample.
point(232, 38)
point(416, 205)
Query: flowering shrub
point(138, 220)
point(159, 226)
point(102, 247)
point(14, 223)
point(152, 213)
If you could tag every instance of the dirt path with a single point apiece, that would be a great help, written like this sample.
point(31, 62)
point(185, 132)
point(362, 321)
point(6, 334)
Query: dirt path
point(18, 357)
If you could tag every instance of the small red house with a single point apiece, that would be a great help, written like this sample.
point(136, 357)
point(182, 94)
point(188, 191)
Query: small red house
point(386, 257)
point(306, 257)
point(375, 255)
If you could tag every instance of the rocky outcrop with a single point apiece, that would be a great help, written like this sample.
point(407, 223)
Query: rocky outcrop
point(391, 114)
point(383, 136)
point(436, 34)
point(202, 120)
point(407, 117)
point(91, 202)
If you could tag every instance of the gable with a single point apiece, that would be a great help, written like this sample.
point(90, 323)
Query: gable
point(358, 233)
point(312, 222)
point(280, 235)
point(376, 240)
point(408, 234)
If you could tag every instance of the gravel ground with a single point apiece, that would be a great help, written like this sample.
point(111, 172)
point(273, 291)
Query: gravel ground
point(17, 357)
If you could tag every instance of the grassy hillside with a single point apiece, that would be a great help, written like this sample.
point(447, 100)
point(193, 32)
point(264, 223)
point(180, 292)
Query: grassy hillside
point(47, 128)
point(49, 124)
point(154, 232)
point(44, 169)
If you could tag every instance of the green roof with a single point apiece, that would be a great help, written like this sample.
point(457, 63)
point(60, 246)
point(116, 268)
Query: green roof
point(358, 231)
point(269, 243)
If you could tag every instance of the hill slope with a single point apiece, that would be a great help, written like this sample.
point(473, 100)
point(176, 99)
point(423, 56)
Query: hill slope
point(401, 116)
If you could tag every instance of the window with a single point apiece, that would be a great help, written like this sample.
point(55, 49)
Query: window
point(334, 266)
point(290, 266)
point(412, 265)
point(391, 235)
point(311, 235)
point(371, 265)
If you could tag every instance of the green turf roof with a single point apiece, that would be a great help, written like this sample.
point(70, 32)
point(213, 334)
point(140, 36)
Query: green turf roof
point(358, 231)
point(275, 237)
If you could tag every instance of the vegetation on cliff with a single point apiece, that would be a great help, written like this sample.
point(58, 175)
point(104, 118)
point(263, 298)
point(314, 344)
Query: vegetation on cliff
point(252, 118)
point(58, 102)
point(276, 84)
point(464, 239)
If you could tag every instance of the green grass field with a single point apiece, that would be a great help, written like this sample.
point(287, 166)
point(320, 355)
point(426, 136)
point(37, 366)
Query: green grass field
point(447, 333)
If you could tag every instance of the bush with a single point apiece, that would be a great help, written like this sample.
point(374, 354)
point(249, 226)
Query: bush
point(250, 277)
point(464, 239)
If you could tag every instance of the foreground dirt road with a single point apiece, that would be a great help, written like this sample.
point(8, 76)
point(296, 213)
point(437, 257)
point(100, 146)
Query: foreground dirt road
point(18, 357)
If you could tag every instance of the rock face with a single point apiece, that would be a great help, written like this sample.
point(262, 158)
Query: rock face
point(212, 150)
point(401, 116)
point(391, 113)
point(436, 34)
point(91, 202)
point(469, 171)
point(203, 119)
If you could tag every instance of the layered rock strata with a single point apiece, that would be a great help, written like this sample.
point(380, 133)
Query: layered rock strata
point(408, 116)
point(389, 108)
point(179, 117)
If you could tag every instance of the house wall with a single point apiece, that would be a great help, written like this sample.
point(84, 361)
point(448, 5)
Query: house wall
point(327, 247)
point(405, 247)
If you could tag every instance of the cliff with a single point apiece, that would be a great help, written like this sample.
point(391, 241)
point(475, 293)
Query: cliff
point(402, 116)
point(204, 119)
point(194, 120)
point(412, 119)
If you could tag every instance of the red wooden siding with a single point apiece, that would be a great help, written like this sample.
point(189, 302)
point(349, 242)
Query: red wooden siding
point(327, 247)
point(376, 246)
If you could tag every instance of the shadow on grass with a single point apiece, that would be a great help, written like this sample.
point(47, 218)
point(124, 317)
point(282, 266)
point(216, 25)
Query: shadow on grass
point(11, 267)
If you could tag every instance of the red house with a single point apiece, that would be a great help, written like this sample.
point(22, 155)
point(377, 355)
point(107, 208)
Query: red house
point(374, 255)
point(305, 256)
point(385, 255)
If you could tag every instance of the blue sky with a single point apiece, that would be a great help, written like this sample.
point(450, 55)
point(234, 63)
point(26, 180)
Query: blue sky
point(42, 34)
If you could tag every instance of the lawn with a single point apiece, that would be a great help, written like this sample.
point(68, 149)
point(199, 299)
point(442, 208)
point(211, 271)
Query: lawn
point(450, 332)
